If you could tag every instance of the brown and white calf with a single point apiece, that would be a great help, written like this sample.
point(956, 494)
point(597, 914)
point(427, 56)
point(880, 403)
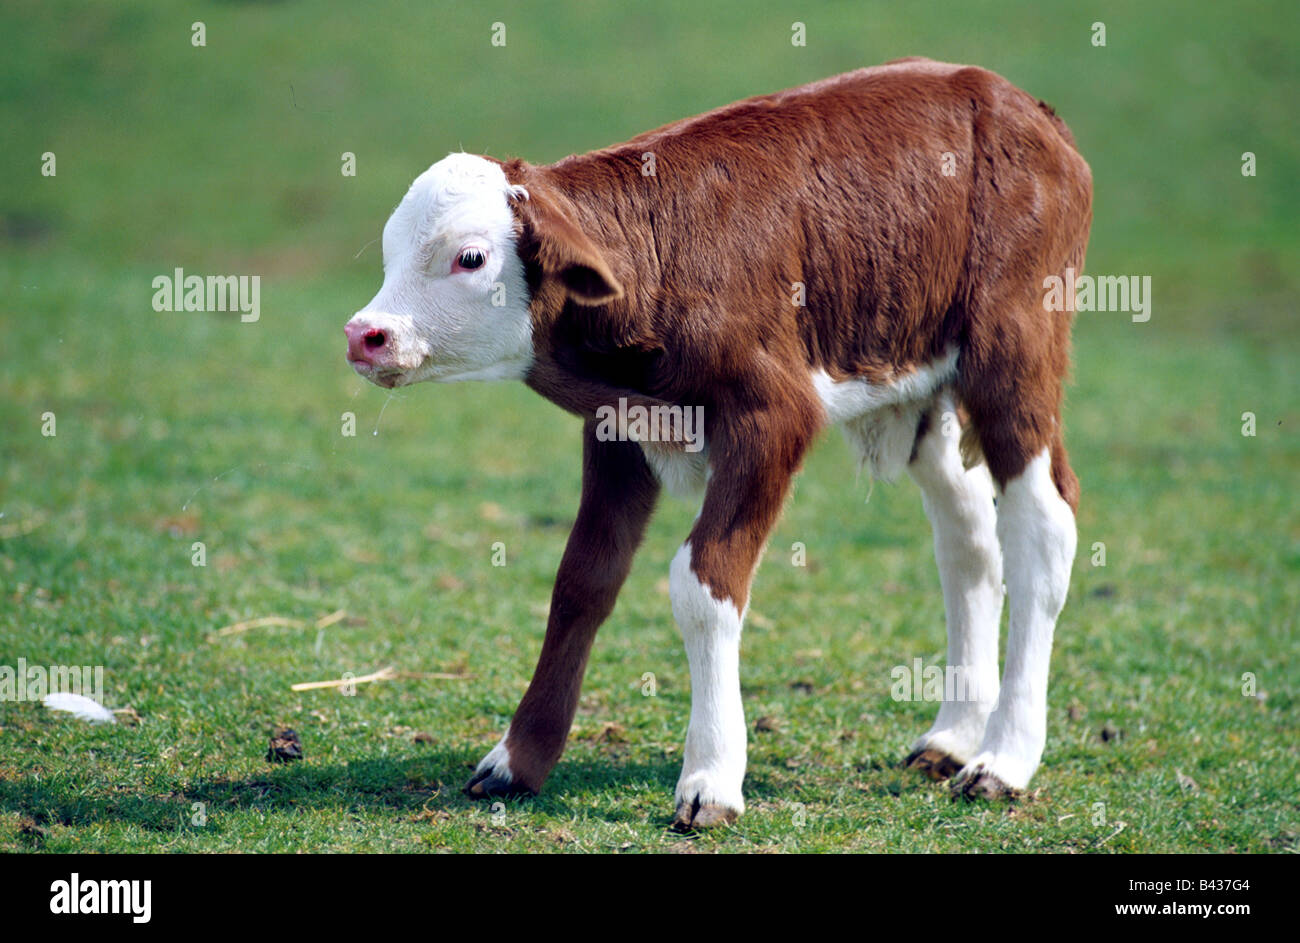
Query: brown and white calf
point(868, 251)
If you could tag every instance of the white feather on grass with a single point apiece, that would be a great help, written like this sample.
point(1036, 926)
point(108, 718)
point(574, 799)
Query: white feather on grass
point(79, 706)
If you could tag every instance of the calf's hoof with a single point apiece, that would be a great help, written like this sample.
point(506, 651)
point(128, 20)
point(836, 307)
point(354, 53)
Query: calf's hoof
point(489, 783)
point(695, 815)
point(979, 783)
point(933, 763)
point(494, 777)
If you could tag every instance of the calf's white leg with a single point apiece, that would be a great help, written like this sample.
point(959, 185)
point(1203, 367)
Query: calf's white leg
point(959, 504)
point(1037, 531)
point(709, 791)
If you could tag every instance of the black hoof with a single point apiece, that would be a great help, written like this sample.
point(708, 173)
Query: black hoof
point(935, 764)
point(489, 783)
point(983, 785)
point(692, 816)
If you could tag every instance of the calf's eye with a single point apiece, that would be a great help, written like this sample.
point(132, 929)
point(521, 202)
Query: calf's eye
point(471, 259)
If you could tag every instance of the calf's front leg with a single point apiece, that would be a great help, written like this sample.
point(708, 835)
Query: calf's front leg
point(618, 495)
point(709, 583)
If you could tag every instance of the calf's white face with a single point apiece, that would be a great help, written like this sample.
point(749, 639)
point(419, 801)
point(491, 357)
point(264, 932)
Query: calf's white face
point(454, 303)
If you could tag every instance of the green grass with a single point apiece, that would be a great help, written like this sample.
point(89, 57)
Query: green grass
point(176, 428)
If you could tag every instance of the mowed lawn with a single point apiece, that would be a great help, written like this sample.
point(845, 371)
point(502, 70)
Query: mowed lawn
point(177, 428)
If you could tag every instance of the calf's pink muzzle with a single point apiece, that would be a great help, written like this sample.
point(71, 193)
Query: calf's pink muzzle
point(366, 343)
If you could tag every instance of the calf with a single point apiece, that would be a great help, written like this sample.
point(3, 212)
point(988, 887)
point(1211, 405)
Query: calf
point(868, 251)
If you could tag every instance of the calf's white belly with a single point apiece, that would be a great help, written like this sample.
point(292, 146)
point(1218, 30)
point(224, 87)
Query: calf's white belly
point(879, 420)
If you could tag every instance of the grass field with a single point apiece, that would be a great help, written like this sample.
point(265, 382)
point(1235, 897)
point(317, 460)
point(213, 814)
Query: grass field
point(174, 428)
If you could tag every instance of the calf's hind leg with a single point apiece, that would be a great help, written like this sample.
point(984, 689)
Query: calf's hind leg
point(959, 503)
point(1036, 529)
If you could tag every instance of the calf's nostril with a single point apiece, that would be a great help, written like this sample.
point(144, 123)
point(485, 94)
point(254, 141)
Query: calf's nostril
point(375, 339)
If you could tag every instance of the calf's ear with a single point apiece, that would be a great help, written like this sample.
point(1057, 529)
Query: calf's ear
point(562, 251)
